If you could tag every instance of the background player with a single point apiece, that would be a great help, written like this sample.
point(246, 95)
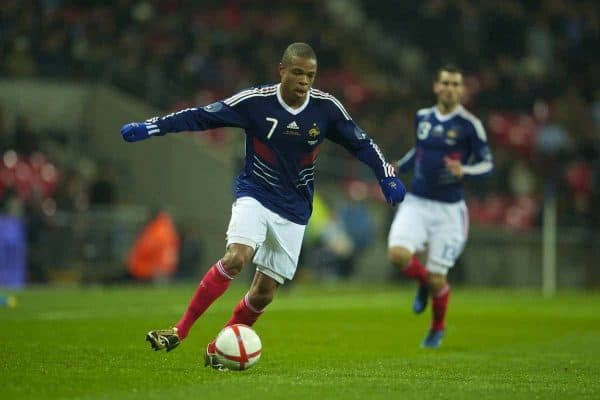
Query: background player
point(284, 124)
point(450, 146)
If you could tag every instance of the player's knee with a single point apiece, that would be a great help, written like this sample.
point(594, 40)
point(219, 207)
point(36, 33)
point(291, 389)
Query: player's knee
point(236, 257)
point(436, 282)
point(399, 256)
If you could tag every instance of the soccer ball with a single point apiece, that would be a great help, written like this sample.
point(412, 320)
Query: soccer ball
point(238, 347)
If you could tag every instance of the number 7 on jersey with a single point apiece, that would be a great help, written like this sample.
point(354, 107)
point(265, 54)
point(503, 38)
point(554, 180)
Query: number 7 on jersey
point(274, 122)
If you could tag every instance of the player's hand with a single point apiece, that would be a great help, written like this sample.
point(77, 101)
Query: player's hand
point(454, 166)
point(393, 190)
point(135, 131)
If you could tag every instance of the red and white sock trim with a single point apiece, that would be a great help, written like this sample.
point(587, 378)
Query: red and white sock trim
point(250, 306)
point(444, 291)
point(221, 269)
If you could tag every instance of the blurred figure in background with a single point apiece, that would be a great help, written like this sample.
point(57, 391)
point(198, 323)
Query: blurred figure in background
point(358, 224)
point(450, 145)
point(154, 255)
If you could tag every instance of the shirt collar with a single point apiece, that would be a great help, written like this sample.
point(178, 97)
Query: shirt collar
point(293, 111)
point(445, 117)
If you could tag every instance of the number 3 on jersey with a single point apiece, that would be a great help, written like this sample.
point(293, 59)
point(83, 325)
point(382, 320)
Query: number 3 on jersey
point(423, 130)
point(274, 123)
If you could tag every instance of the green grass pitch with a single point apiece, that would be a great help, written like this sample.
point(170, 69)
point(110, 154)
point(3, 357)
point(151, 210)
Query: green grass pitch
point(319, 342)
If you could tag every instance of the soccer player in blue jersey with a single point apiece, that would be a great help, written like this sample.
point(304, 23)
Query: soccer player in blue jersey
point(450, 147)
point(285, 124)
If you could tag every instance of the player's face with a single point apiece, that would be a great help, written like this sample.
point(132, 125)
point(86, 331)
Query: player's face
point(449, 89)
point(297, 78)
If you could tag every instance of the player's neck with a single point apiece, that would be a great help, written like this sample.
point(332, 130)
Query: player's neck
point(447, 109)
point(293, 103)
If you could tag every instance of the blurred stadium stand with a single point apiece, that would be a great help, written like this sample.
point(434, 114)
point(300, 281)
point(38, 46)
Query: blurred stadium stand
point(73, 71)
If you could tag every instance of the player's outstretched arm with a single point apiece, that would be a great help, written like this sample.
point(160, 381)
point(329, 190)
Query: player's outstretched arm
point(216, 115)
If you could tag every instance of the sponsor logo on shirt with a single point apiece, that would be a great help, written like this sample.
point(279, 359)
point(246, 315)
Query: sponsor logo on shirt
point(292, 129)
point(293, 125)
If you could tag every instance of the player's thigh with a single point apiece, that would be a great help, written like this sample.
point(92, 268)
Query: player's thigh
point(248, 223)
point(408, 229)
point(278, 255)
point(448, 237)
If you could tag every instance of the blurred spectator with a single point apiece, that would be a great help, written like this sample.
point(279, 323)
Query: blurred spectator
point(102, 190)
point(358, 223)
point(552, 146)
point(154, 255)
point(522, 181)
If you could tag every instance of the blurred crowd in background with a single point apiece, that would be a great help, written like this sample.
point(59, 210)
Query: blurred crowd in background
point(531, 74)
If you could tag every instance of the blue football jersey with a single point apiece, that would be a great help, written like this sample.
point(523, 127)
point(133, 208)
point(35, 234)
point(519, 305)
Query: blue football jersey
point(459, 136)
point(282, 143)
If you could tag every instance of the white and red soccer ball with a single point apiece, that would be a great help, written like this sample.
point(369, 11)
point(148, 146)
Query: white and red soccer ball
point(238, 347)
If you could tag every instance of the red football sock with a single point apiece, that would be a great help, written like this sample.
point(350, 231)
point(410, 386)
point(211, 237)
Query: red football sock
point(245, 313)
point(416, 270)
point(440, 304)
point(214, 283)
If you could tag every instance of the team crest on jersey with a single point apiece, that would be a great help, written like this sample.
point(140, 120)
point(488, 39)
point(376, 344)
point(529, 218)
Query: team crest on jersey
point(451, 137)
point(313, 133)
point(452, 134)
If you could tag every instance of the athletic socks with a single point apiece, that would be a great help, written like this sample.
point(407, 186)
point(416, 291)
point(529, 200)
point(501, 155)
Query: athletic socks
point(245, 313)
point(214, 283)
point(416, 270)
point(440, 304)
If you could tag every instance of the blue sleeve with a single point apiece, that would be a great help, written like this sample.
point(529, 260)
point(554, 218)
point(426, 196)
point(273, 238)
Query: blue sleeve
point(407, 162)
point(215, 115)
point(356, 141)
point(481, 163)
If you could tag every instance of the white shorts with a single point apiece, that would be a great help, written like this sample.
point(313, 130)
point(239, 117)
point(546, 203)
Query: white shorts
point(277, 241)
point(442, 227)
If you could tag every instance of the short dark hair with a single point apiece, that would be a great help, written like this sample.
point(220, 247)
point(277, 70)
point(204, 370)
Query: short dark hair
point(298, 49)
point(453, 69)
